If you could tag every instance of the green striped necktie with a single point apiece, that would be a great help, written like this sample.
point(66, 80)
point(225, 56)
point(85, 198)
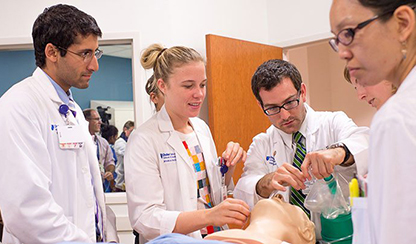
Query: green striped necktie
point(297, 197)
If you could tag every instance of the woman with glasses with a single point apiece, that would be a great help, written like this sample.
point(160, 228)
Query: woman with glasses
point(377, 38)
point(173, 182)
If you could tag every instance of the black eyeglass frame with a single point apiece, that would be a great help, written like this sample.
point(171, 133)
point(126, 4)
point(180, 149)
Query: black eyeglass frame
point(334, 42)
point(86, 58)
point(294, 101)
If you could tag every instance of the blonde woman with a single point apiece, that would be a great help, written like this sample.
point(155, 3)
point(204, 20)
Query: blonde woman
point(375, 95)
point(172, 180)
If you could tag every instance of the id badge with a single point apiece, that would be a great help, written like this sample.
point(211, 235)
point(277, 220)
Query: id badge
point(70, 137)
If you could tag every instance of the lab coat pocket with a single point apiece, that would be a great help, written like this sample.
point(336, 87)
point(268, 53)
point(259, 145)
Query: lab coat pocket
point(360, 221)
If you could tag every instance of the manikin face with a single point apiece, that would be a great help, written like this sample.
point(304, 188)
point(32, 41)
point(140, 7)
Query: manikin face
point(272, 221)
point(375, 52)
point(94, 122)
point(289, 121)
point(185, 91)
point(71, 70)
point(375, 95)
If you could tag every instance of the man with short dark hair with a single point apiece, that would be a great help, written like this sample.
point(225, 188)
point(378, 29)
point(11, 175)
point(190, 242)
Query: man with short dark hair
point(50, 183)
point(299, 140)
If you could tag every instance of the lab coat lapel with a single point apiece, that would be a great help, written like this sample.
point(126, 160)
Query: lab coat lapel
point(312, 126)
point(207, 148)
point(173, 139)
point(45, 86)
point(96, 176)
point(205, 142)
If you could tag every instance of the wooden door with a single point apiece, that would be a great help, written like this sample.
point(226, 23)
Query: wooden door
point(232, 108)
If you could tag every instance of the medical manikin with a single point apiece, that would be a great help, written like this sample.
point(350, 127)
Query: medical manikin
point(272, 221)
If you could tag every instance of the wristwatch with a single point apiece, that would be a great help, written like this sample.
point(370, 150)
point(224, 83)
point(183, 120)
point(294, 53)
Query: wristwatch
point(347, 152)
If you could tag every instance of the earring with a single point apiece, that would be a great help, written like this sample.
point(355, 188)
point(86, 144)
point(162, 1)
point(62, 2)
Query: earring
point(404, 49)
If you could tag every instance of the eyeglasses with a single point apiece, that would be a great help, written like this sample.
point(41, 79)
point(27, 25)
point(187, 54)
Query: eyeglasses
point(86, 55)
point(287, 106)
point(96, 119)
point(346, 36)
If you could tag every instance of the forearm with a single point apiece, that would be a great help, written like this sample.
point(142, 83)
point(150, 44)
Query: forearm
point(341, 154)
point(350, 161)
point(264, 187)
point(188, 222)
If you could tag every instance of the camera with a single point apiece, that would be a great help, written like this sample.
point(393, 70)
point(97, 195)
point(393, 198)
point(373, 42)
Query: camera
point(105, 116)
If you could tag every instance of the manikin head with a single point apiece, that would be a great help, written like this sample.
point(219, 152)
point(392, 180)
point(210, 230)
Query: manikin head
point(272, 221)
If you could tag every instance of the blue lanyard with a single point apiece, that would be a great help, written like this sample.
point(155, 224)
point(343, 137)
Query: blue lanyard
point(98, 149)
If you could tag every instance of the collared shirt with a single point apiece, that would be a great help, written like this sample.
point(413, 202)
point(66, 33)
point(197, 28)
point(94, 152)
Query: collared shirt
point(61, 93)
point(104, 152)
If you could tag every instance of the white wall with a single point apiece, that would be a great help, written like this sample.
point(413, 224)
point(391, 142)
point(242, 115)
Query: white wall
point(322, 72)
point(179, 22)
point(291, 20)
point(185, 22)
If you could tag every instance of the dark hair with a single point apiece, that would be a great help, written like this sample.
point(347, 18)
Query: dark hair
point(108, 131)
point(385, 7)
point(271, 73)
point(60, 25)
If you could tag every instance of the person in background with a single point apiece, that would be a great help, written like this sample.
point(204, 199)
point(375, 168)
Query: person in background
point(103, 150)
point(173, 182)
point(50, 183)
point(110, 133)
point(377, 39)
point(120, 148)
point(155, 95)
point(375, 95)
point(298, 139)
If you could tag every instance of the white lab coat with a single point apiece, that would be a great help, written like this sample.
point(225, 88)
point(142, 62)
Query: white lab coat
point(160, 177)
point(120, 149)
point(320, 130)
point(391, 180)
point(46, 192)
